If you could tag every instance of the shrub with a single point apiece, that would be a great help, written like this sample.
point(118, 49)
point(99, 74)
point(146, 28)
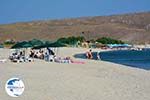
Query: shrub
point(105, 40)
point(71, 40)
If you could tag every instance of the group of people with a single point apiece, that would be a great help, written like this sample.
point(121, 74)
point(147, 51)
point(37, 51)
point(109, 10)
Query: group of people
point(23, 56)
point(50, 56)
point(19, 56)
point(43, 54)
point(37, 54)
point(47, 55)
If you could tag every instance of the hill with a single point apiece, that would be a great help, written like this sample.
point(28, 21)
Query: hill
point(133, 28)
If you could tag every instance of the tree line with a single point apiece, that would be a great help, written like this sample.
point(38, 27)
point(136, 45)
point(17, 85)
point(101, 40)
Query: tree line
point(102, 40)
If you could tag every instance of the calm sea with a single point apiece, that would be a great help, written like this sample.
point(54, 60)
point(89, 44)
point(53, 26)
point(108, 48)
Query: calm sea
point(139, 59)
point(131, 58)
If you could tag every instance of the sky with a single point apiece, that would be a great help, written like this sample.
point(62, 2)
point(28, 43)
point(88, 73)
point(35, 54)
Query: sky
point(12, 11)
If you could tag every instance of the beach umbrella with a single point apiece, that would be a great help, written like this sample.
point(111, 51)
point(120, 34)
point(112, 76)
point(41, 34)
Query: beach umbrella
point(20, 45)
point(54, 45)
point(39, 47)
point(36, 42)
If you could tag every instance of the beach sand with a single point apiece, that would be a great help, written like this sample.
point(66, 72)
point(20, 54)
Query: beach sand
point(94, 80)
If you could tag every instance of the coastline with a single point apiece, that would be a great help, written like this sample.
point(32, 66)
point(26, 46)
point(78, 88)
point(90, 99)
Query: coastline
point(89, 81)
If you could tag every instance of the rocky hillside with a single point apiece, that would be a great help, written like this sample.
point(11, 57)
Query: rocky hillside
point(133, 28)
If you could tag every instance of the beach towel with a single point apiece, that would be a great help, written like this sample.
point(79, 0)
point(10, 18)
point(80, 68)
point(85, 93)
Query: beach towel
point(78, 62)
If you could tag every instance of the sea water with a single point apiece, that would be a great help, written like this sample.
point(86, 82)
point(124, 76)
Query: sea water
point(132, 58)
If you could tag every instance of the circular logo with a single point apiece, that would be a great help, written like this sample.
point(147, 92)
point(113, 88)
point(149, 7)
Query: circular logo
point(14, 87)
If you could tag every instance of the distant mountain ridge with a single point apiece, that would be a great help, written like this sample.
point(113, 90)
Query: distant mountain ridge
point(132, 28)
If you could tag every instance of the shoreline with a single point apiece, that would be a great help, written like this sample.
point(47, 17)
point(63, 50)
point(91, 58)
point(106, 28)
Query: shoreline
point(89, 81)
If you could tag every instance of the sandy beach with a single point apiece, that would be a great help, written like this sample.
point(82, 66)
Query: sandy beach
point(94, 80)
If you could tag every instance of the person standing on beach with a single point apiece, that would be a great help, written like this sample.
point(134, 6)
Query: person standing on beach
point(50, 51)
point(46, 56)
point(89, 54)
point(98, 55)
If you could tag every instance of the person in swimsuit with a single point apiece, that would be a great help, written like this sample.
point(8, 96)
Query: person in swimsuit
point(89, 54)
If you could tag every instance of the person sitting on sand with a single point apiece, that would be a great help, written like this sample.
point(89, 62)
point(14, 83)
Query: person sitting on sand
point(36, 55)
point(32, 53)
point(41, 54)
point(89, 54)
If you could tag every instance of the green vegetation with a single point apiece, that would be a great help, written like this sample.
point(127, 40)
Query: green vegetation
point(9, 42)
point(71, 40)
point(106, 40)
point(36, 42)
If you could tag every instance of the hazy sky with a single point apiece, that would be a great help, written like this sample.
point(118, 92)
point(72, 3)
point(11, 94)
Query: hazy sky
point(27, 10)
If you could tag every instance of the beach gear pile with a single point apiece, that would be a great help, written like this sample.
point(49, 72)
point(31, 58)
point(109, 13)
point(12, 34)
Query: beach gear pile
point(19, 57)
